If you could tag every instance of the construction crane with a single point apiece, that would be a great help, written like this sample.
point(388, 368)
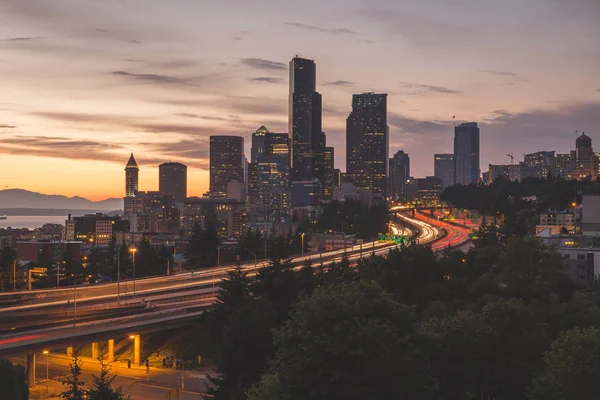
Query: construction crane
point(512, 158)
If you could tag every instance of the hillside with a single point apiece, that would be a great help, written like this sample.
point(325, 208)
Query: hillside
point(20, 198)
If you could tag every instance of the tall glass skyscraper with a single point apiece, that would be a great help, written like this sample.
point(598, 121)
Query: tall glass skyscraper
point(466, 153)
point(399, 172)
point(367, 142)
point(443, 167)
point(308, 140)
point(226, 163)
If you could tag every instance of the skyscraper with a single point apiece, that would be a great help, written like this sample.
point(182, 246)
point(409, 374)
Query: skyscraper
point(443, 166)
point(172, 180)
point(399, 172)
point(328, 162)
point(226, 163)
point(466, 153)
point(308, 140)
point(367, 142)
point(131, 177)
point(258, 143)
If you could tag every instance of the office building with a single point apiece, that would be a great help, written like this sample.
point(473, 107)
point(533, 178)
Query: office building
point(443, 166)
point(228, 216)
point(259, 139)
point(308, 139)
point(226, 163)
point(131, 177)
point(273, 195)
point(329, 181)
point(399, 172)
point(94, 229)
point(367, 142)
point(540, 158)
point(585, 159)
point(172, 180)
point(305, 193)
point(425, 192)
point(466, 153)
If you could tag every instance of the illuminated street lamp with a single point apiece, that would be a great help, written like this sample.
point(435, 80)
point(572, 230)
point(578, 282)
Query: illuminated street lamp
point(46, 352)
point(302, 236)
point(133, 250)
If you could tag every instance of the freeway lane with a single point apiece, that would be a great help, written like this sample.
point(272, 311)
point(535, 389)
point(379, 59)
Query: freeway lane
point(143, 287)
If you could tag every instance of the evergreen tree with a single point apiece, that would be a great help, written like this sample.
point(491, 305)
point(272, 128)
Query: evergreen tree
point(13, 383)
point(102, 386)
point(76, 390)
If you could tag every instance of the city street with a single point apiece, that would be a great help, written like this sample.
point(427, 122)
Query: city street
point(133, 380)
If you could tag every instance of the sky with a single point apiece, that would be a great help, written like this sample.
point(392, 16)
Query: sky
point(84, 82)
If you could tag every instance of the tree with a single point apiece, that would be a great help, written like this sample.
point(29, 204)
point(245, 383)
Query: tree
point(572, 368)
point(102, 386)
point(530, 269)
point(76, 390)
point(242, 348)
point(348, 341)
point(492, 354)
point(13, 383)
point(269, 389)
point(7, 257)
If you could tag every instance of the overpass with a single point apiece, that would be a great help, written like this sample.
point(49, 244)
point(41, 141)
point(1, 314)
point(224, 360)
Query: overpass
point(47, 319)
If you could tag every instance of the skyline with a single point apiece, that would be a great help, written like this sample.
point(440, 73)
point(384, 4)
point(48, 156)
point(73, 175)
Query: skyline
point(79, 94)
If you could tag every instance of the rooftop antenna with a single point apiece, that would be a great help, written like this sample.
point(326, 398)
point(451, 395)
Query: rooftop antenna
point(512, 158)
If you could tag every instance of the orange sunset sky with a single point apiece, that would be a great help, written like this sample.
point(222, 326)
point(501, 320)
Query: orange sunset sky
point(85, 82)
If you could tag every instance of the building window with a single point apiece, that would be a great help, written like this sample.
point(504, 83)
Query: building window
point(581, 256)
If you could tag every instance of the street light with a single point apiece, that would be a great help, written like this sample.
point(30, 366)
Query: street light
point(46, 352)
point(302, 236)
point(254, 254)
point(133, 250)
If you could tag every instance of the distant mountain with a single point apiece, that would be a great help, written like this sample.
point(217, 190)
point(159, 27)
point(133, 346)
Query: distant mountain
point(19, 198)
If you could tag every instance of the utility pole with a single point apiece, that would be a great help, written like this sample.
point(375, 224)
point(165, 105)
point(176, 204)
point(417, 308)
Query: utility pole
point(15, 275)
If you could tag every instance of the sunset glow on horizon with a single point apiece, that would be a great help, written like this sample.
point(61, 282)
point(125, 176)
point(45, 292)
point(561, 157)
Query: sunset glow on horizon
point(87, 82)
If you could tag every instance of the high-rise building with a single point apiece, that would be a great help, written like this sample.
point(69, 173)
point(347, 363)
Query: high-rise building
point(226, 163)
point(466, 153)
point(172, 180)
point(273, 193)
point(131, 177)
point(308, 140)
point(367, 142)
point(399, 172)
point(443, 165)
point(328, 184)
point(259, 139)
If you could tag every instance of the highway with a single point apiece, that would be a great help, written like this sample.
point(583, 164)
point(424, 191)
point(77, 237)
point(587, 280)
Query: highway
point(53, 317)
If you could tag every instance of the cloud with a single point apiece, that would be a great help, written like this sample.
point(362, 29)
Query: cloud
point(332, 31)
point(339, 83)
point(133, 41)
point(498, 73)
point(102, 30)
point(154, 78)
point(6, 126)
point(419, 88)
point(598, 90)
point(260, 63)
point(266, 79)
point(60, 147)
point(25, 39)
point(187, 115)
point(416, 126)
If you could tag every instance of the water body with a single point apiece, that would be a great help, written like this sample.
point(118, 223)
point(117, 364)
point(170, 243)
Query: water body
point(31, 222)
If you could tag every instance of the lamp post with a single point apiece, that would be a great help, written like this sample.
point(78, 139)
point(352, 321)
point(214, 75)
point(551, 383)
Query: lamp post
point(15, 275)
point(302, 236)
point(118, 276)
point(46, 352)
point(255, 258)
point(133, 250)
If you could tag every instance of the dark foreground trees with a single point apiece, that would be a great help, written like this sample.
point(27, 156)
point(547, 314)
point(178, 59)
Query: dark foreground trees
point(13, 383)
